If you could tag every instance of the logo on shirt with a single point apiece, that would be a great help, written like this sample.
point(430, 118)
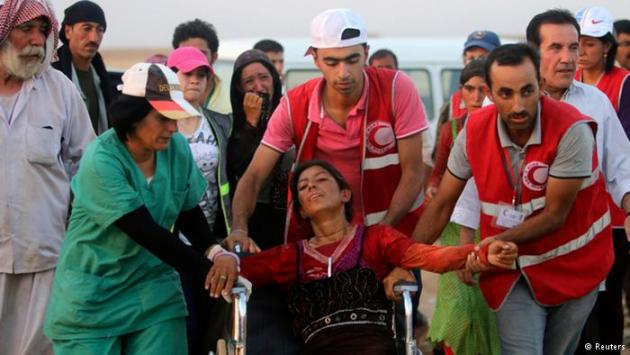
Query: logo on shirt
point(380, 137)
point(535, 175)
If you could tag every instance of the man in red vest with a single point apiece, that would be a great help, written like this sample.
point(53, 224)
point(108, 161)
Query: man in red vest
point(366, 121)
point(539, 184)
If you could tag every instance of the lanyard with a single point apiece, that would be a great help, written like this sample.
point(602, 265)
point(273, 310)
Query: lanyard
point(515, 180)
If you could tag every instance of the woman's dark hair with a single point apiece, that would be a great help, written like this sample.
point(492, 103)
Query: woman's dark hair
point(609, 59)
point(471, 70)
point(341, 182)
point(126, 111)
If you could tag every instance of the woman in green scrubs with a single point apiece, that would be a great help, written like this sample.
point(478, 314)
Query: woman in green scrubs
point(116, 290)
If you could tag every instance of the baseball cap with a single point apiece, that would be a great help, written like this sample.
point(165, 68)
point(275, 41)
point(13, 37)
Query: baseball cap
point(337, 28)
point(487, 40)
point(159, 85)
point(187, 59)
point(594, 21)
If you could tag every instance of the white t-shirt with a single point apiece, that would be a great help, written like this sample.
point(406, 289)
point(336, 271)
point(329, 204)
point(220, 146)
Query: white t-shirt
point(205, 151)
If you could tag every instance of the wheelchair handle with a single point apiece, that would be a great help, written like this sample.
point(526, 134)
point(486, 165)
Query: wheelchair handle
point(239, 289)
point(406, 286)
point(239, 316)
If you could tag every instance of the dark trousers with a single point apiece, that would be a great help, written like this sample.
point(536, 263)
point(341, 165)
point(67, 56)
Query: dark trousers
point(606, 321)
point(198, 305)
point(626, 285)
point(269, 329)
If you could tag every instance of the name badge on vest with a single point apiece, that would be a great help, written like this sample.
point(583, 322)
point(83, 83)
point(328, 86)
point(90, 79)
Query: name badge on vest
point(508, 217)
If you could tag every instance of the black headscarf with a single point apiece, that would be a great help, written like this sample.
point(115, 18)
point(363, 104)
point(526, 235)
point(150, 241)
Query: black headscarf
point(236, 95)
point(81, 11)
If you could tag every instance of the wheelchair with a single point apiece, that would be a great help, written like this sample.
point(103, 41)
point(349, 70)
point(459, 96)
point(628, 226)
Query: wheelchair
point(236, 343)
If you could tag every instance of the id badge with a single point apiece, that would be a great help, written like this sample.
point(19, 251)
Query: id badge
point(508, 217)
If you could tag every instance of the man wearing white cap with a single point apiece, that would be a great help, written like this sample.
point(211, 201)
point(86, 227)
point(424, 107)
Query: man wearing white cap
point(365, 121)
point(44, 126)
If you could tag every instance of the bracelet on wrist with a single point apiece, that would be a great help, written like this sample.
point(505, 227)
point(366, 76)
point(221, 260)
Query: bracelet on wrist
point(239, 231)
point(217, 250)
point(228, 253)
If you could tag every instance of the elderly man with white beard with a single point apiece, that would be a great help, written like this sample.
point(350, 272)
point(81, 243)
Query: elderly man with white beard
point(44, 127)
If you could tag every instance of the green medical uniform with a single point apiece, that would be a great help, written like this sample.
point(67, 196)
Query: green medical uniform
point(107, 285)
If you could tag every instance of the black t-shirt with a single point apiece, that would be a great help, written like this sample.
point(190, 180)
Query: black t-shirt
point(86, 80)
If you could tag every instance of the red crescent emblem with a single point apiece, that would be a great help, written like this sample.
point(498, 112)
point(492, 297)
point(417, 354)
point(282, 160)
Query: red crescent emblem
point(535, 175)
point(380, 137)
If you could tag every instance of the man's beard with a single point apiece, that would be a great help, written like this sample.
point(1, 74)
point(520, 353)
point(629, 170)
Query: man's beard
point(22, 64)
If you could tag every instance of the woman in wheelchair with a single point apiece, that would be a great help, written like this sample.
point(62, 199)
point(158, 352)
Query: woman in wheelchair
point(333, 279)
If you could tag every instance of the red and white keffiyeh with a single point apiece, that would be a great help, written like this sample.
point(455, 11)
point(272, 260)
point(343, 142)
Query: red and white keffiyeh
point(16, 12)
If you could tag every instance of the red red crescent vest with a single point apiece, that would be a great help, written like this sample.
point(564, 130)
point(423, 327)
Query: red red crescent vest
point(380, 166)
point(611, 83)
point(567, 263)
point(456, 109)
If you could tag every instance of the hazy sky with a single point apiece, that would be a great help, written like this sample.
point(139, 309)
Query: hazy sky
point(150, 23)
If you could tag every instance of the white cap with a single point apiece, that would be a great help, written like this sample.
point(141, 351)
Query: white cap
point(594, 21)
point(329, 29)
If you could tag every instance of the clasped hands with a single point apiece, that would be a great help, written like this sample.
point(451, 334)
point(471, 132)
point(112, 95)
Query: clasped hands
point(499, 255)
point(490, 254)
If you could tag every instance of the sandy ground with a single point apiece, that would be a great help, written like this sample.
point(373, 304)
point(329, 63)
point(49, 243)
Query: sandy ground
point(124, 58)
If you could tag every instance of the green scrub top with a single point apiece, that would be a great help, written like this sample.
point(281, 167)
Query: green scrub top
point(105, 283)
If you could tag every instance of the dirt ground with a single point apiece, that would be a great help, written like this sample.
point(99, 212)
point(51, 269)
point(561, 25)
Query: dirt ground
point(124, 58)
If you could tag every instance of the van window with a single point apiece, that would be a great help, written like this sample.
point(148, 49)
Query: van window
point(450, 82)
point(422, 80)
point(420, 77)
point(224, 69)
point(295, 77)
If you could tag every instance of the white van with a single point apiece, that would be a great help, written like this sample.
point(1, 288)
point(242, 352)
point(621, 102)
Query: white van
point(434, 64)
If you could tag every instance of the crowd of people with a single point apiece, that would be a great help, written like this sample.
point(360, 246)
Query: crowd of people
point(128, 213)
